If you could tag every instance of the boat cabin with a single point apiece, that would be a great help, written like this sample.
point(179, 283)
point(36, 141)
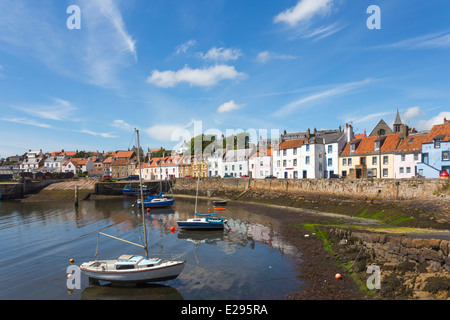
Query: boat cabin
point(127, 262)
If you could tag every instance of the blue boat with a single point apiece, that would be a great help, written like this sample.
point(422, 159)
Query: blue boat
point(129, 191)
point(156, 202)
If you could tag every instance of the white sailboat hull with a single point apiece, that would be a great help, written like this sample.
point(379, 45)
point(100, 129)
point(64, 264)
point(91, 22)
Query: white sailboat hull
point(107, 270)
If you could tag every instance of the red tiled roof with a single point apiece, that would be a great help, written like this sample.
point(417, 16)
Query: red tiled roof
point(367, 145)
point(412, 142)
point(438, 130)
point(124, 154)
point(291, 144)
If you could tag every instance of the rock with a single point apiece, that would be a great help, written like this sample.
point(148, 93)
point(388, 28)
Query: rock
point(434, 255)
point(444, 246)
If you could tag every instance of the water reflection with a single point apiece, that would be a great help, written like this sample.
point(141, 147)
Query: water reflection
point(144, 291)
point(249, 262)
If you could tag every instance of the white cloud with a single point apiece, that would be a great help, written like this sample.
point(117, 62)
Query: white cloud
point(265, 56)
point(167, 132)
point(184, 47)
point(413, 113)
point(428, 124)
point(222, 54)
point(322, 32)
point(122, 125)
point(229, 106)
point(304, 10)
point(60, 110)
point(95, 54)
point(195, 77)
point(334, 91)
point(429, 41)
point(101, 134)
point(27, 122)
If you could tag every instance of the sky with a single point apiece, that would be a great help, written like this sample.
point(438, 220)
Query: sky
point(82, 74)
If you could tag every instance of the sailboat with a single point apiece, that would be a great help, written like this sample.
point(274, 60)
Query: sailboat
point(203, 221)
point(133, 268)
point(157, 201)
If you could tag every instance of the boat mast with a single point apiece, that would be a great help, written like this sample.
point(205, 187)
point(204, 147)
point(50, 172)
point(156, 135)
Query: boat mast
point(196, 196)
point(142, 193)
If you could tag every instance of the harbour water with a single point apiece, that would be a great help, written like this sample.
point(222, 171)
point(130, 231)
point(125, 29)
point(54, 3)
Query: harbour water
point(37, 240)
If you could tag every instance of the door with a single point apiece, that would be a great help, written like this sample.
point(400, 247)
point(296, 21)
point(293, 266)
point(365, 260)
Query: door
point(305, 174)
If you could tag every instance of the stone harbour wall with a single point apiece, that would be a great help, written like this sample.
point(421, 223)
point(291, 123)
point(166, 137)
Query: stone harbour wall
point(410, 267)
point(392, 189)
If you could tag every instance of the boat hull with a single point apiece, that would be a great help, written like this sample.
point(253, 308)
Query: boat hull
point(166, 271)
point(202, 224)
point(157, 204)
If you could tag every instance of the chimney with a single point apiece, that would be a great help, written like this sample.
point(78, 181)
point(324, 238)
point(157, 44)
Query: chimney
point(308, 134)
point(403, 131)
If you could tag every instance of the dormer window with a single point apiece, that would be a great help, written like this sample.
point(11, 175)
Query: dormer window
point(352, 148)
point(377, 145)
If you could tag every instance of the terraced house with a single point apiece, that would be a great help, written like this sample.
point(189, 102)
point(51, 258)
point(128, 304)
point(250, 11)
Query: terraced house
point(436, 151)
point(369, 157)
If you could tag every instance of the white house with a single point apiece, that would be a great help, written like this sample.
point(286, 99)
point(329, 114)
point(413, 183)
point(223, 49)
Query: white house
point(55, 164)
point(215, 163)
point(235, 162)
point(71, 166)
point(314, 156)
point(286, 159)
point(408, 155)
point(32, 161)
point(260, 164)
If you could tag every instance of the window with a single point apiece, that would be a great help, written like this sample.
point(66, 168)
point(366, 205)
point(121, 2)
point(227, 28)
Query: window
point(261, 163)
point(401, 170)
point(385, 172)
point(307, 147)
point(330, 162)
point(226, 168)
point(416, 157)
point(408, 169)
point(240, 167)
point(362, 160)
point(377, 145)
point(294, 151)
point(445, 155)
point(232, 167)
point(284, 152)
point(385, 160)
point(349, 161)
point(437, 143)
point(307, 160)
point(278, 163)
point(320, 167)
point(295, 162)
point(374, 161)
point(403, 158)
point(330, 149)
point(284, 163)
point(344, 162)
point(352, 148)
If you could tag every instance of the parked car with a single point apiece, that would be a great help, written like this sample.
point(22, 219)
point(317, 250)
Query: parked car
point(133, 177)
point(244, 176)
point(270, 177)
point(106, 177)
point(336, 176)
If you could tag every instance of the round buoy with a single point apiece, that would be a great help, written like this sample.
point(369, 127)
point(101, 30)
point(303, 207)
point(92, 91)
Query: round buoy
point(172, 229)
point(71, 261)
point(69, 276)
point(229, 229)
point(209, 209)
point(338, 276)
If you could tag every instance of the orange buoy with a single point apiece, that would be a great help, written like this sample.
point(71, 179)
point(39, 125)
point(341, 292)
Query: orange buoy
point(338, 276)
point(172, 229)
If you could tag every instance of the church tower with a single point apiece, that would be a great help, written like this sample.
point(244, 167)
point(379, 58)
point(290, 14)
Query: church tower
point(397, 123)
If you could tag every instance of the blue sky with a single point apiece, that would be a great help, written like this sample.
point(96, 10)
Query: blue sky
point(163, 66)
